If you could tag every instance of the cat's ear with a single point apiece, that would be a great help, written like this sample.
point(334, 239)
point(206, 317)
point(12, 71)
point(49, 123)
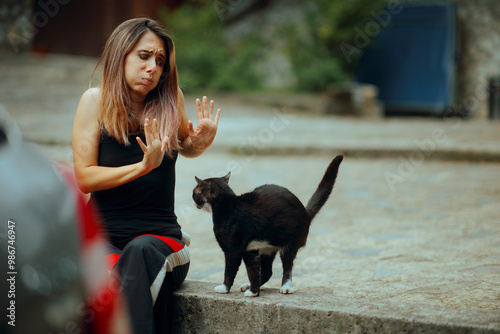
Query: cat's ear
point(200, 181)
point(226, 178)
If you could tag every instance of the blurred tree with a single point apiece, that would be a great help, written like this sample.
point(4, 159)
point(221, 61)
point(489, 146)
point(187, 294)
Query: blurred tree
point(208, 60)
point(204, 58)
point(318, 60)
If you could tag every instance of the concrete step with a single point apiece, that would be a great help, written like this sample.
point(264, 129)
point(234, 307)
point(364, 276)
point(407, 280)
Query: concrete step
point(204, 311)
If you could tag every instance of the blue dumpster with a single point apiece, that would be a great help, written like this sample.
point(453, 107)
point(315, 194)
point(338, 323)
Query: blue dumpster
point(412, 60)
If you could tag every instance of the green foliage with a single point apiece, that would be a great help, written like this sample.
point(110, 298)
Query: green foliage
point(318, 74)
point(340, 18)
point(204, 59)
point(317, 59)
point(312, 63)
point(239, 73)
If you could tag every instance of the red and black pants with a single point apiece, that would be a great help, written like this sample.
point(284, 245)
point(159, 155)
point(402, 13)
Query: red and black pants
point(151, 267)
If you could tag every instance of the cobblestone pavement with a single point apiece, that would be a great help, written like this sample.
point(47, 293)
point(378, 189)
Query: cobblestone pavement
point(434, 238)
point(418, 224)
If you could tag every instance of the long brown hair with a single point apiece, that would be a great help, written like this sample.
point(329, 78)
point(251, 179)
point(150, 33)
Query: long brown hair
point(161, 102)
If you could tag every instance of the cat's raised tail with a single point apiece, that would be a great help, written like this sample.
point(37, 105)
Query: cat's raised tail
point(325, 187)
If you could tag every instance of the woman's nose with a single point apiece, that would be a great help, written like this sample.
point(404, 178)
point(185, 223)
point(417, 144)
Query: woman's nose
point(151, 65)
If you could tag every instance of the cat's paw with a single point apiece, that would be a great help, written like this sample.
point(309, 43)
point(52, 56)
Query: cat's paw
point(249, 293)
point(286, 288)
point(221, 289)
point(245, 287)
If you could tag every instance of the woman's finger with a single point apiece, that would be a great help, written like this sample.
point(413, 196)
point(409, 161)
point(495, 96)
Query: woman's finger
point(190, 128)
point(147, 132)
point(199, 113)
point(144, 148)
point(211, 109)
point(164, 144)
point(156, 134)
point(205, 115)
point(217, 116)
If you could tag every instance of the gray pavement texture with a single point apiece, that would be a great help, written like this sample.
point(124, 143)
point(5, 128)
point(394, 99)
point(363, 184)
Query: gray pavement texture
point(203, 311)
point(412, 221)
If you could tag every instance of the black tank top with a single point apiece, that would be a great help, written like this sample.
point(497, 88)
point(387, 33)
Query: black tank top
point(142, 206)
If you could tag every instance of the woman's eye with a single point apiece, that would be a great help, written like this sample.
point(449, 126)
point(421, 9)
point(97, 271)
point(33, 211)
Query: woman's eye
point(160, 62)
point(143, 56)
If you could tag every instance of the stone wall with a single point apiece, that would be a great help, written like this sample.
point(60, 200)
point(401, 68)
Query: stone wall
point(479, 53)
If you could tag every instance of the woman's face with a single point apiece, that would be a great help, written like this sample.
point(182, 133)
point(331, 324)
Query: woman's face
point(144, 65)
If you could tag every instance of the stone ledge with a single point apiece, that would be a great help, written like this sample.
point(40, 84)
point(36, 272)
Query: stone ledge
point(204, 311)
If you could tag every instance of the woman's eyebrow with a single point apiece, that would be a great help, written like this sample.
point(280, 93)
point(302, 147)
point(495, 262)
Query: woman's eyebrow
point(152, 51)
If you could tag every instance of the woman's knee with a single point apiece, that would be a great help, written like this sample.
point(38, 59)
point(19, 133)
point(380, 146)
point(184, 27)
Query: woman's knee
point(141, 242)
point(141, 247)
point(147, 244)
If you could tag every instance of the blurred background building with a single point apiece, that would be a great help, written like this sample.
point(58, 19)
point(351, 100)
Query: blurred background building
point(431, 57)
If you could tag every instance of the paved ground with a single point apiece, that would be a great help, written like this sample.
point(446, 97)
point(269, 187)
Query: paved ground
point(433, 239)
point(413, 217)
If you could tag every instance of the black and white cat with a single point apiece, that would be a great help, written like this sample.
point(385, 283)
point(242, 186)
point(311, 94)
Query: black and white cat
point(254, 226)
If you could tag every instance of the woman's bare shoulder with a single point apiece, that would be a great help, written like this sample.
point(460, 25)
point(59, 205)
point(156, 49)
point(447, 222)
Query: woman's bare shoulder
point(90, 102)
point(92, 95)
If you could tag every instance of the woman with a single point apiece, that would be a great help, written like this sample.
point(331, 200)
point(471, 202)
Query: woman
point(126, 137)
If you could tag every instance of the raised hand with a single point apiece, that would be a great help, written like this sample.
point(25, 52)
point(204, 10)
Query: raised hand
point(203, 135)
point(154, 149)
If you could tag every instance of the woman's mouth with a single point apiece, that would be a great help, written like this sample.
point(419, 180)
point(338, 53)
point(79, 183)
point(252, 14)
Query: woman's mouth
point(147, 81)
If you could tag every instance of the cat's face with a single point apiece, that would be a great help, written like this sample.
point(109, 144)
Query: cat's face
point(207, 190)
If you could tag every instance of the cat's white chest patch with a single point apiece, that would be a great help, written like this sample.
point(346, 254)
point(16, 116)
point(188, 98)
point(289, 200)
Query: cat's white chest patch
point(263, 247)
point(207, 207)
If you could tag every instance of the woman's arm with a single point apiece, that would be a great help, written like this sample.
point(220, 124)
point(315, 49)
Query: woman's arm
point(195, 141)
point(89, 175)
